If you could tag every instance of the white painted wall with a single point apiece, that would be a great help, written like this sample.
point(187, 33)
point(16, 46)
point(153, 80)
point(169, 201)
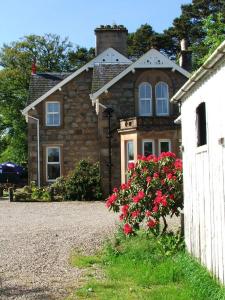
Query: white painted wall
point(204, 174)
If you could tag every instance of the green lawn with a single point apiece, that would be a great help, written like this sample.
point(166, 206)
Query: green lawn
point(141, 268)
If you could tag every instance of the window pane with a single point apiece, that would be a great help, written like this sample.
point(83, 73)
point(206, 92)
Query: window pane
point(53, 171)
point(164, 146)
point(50, 119)
point(130, 151)
point(53, 107)
point(53, 154)
point(148, 148)
point(162, 90)
point(56, 119)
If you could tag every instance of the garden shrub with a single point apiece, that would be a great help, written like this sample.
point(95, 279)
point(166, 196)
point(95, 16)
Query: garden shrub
point(84, 183)
point(32, 193)
point(152, 192)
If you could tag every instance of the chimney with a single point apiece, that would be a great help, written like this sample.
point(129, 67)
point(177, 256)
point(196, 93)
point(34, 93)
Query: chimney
point(111, 37)
point(185, 58)
point(33, 67)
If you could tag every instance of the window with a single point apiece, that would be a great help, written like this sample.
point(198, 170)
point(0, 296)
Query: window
point(148, 147)
point(201, 125)
point(53, 167)
point(145, 99)
point(164, 146)
point(162, 99)
point(130, 152)
point(52, 113)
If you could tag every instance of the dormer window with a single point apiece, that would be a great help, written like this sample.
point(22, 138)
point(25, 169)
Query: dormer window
point(145, 99)
point(162, 99)
point(52, 114)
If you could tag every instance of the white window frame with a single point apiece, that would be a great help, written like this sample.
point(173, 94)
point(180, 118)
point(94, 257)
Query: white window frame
point(127, 153)
point(52, 113)
point(164, 140)
point(147, 141)
point(52, 163)
point(157, 99)
point(140, 99)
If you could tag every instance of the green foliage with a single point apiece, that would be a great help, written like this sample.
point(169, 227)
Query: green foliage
point(83, 261)
point(84, 182)
point(137, 269)
point(32, 193)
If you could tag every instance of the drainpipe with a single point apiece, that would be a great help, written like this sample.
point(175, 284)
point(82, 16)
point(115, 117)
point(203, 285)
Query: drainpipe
point(38, 147)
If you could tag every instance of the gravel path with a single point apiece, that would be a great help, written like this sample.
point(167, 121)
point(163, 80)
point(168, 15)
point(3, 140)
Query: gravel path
point(35, 243)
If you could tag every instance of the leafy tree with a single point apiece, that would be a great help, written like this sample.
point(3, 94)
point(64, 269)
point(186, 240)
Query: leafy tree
point(52, 54)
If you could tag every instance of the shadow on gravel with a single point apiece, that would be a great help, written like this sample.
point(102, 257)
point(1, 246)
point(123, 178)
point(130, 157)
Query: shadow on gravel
point(26, 292)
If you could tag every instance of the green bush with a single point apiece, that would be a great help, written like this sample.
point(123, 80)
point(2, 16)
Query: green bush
point(84, 183)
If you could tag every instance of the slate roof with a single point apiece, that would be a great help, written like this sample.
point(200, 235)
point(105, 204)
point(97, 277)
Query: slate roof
point(103, 73)
point(40, 83)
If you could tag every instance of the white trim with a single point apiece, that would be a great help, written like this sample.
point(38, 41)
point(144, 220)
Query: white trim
point(147, 141)
point(52, 113)
point(142, 62)
point(144, 99)
point(161, 141)
point(107, 54)
point(52, 163)
point(156, 99)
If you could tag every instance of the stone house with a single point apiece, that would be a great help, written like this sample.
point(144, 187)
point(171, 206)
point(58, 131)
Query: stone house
point(66, 112)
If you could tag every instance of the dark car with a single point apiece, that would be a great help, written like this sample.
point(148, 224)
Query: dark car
point(11, 173)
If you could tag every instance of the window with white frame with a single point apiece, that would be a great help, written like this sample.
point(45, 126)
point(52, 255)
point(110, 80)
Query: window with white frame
point(164, 146)
point(53, 165)
point(52, 113)
point(145, 99)
point(162, 99)
point(148, 147)
point(130, 152)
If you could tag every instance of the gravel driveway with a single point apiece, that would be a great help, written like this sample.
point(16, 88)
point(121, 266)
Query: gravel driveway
point(35, 243)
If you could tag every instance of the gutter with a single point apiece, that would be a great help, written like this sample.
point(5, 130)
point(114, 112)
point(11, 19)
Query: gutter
point(204, 69)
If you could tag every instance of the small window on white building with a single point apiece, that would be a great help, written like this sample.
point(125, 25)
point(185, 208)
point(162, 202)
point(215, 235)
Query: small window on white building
point(53, 165)
point(145, 99)
point(53, 114)
point(148, 147)
point(130, 152)
point(201, 125)
point(162, 99)
point(164, 146)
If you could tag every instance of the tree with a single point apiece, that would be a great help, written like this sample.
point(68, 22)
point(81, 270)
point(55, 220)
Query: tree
point(52, 54)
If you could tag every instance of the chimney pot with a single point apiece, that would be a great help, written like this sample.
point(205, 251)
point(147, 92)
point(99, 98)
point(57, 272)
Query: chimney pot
point(33, 68)
point(111, 37)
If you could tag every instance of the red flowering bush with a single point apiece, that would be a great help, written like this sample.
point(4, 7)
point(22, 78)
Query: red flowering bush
point(152, 192)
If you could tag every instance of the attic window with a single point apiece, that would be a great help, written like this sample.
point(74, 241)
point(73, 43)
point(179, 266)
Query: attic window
point(201, 125)
point(52, 114)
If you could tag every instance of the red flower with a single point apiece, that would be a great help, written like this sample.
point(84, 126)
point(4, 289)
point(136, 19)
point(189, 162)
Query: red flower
point(158, 193)
point(163, 201)
point(125, 209)
point(127, 229)
point(145, 169)
point(115, 190)
point(167, 154)
point(135, 213)
point(121, 217)
point(131, 166)
point(151, 223)
point(155, 208)
point(171, 196)
point(141, 195)
point(156, 175)
point(178, 164)
point(124, 186)
point(169, 176)
point(152, 158)
point(111, 200)
point(148, 179)
point(148, 213)
point(136, 199)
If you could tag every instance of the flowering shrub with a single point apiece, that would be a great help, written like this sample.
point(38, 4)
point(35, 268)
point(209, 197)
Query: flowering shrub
point(153, 191)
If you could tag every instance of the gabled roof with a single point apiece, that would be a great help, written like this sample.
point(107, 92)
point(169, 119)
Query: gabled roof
point(103, 73)
point(217, 57)
point(110, 55)
point(152, 59)
point(41, 83)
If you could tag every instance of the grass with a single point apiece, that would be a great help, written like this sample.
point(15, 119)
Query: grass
point(140, 268)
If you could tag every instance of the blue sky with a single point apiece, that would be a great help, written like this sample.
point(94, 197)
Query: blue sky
point(78, 18)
